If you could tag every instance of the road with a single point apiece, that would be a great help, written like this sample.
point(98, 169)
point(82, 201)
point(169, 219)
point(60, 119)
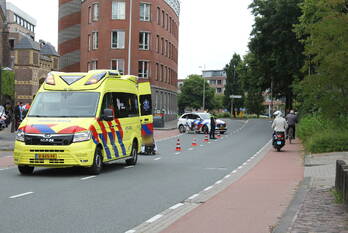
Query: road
point(119, 199)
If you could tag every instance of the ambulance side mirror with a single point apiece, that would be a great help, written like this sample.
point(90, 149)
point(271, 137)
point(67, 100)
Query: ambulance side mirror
point(108, 114)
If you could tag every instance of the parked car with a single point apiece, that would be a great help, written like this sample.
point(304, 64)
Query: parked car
point(200, 123)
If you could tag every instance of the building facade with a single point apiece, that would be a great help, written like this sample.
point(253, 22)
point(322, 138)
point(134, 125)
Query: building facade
point(135, 37)
point(30, 60)
point(216, 80)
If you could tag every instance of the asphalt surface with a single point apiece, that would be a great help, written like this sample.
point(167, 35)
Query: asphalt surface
point(68, 200)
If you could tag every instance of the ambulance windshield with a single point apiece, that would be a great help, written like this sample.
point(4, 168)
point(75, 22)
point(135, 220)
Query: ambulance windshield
point(65, 104)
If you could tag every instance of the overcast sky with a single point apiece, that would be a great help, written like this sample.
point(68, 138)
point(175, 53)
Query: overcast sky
point(210, 31)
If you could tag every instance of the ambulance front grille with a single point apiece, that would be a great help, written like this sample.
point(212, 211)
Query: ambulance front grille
point(46, 150)
point(52, 161)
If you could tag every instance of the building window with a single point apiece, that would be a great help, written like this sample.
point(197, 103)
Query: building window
point(166, 48)
point(95, 40)
point(117, 39)
point(158, 16)
point(161, 74)
point(167, 22)
point(157, 71)
point(158, 44)
point(118, 9)
point(118, 64)
point(212, 82)
point(144, 40)
point(89, 14)
point(95, 8)
point(162, 39)
point(163, 19)
point(145, 12)
point(89, 42)
point(143, 67)
point(218, 90)
point(219, 82)
point(94, 65)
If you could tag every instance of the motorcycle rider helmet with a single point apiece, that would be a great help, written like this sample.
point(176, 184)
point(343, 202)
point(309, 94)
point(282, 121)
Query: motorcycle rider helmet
point(277, 113)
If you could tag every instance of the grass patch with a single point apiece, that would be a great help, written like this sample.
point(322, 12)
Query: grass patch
point(338, 196)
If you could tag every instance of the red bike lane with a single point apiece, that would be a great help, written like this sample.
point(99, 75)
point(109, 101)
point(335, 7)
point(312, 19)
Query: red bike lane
point(254, 203)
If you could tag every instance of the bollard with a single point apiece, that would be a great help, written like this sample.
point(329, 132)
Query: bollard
point(339, 175)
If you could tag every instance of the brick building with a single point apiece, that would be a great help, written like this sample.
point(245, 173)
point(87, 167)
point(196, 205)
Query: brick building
point(216, 80)
point(135, 37)
point(30, 60)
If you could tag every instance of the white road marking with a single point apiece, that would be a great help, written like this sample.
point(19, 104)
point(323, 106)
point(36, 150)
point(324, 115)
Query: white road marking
point(176, 206)
point(157, 158)
point(245, 163)
point(129, 167)
point(201, 145)
point(240, 167)
point(193, 196)
point(178, 153)
point(208, 188)
point(21, 195)
point(218, 182)
point(130, 231)
point(155, 218)
point(228, 176)
point(209, 142)
point(235, 171)
point(190, 148)
point(88, 177)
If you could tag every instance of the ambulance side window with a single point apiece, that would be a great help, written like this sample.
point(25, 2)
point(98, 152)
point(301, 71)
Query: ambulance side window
point(126, 105)
point(107, 103)
point(146, 105)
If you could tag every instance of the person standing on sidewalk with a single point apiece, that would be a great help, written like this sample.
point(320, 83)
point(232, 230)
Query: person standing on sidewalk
point(291, 118)
point(18, 114)
point(212, 128)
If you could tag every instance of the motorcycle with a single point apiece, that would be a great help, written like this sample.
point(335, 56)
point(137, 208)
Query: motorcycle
point(278, 140)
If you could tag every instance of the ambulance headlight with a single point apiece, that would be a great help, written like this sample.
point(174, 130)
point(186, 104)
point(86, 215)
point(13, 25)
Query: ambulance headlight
point(20, 135)
point(82, 136)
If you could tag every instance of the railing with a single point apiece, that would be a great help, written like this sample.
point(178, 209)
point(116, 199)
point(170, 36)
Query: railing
point(341, 181)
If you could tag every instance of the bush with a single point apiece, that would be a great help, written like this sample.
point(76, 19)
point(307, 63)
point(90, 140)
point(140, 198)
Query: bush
point(223, 115)
point(321, 135)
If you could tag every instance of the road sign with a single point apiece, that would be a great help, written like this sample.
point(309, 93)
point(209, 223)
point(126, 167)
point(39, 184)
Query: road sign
point(235, 96)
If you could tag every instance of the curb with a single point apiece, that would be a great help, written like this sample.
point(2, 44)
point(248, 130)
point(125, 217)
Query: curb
point(165, 129)
point(290, 215)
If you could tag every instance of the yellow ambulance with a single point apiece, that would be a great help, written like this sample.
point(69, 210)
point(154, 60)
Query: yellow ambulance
point(81, 119)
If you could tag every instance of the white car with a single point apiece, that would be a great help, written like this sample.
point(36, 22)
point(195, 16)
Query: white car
point(200, 122)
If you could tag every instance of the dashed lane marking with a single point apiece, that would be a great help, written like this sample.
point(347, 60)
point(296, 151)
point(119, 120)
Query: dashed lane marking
point(193, 196)
point(218, 182)
point(208, 188)
point(155, 218)
point(130, 231)
point(88, 177)
point(176, 206)
point(157, 159)
point(129, 167)
point(228, 176)
point(21, 195)
point(177, 153)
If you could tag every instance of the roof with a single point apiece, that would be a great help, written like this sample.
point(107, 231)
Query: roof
point(19, 12)
point(27, 43)
point(48, 49)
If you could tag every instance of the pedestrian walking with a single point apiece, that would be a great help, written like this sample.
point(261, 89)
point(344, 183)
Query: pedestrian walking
point(18, 114)
point(212, 128)
point(291, 119)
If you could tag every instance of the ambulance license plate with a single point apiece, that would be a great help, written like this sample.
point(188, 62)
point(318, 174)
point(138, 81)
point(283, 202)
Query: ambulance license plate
point(46, 156)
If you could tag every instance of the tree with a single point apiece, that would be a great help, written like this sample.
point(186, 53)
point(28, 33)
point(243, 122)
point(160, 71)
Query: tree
point(277, 51)
point(233, 85)
point(251, 84)
point(191, 95)
point(324, 32)
point(7, 83)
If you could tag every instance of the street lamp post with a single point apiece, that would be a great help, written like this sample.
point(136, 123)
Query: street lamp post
point(203, 68)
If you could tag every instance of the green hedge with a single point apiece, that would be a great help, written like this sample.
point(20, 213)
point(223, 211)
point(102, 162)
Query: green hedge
point(223, 115)
point(320, 135)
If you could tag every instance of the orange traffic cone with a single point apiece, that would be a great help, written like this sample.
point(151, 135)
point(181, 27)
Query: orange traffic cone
point(178, 146)
point(206, 138)
point(218, 136)
point(194, 143)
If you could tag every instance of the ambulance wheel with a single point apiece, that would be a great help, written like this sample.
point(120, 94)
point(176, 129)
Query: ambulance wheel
point(97, 162)
point(181, 129)
point(26, 170)
point(134, 156)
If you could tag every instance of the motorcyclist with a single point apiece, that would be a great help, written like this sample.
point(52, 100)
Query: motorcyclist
point(279, 124)
point(291, 119)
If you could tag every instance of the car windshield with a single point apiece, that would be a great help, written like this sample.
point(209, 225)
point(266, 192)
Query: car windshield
point(204, 116)
point(65, 104)
point(2, 110)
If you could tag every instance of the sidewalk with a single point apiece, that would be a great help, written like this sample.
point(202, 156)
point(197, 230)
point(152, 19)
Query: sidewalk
point(315, 205)
point(254, 203)
point(169, 125)
point(7, 139)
